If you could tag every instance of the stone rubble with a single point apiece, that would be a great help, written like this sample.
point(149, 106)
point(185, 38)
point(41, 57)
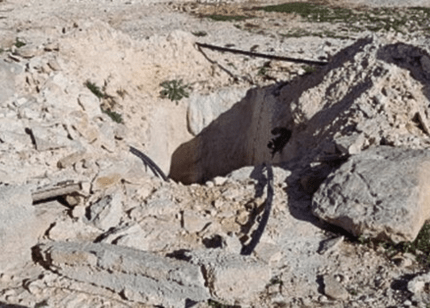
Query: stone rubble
point(130, 239)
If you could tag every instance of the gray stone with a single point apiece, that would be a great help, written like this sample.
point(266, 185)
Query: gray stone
point(18, 226)
point(382, 193)
point(330, 245)
point(66, 230)
point(107, 212)
point(420, 287)
point(141, 276)
point(107, 136)
point(19, 141)
point(130, 235)
point(351, 144)
point(50, 138)
point(231, 277)
point(193, 222)
point(333, 289)
point(255, 174)
point(91, 105)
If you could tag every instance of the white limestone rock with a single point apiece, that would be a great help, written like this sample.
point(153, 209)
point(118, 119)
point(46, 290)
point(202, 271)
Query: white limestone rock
point(381, 193)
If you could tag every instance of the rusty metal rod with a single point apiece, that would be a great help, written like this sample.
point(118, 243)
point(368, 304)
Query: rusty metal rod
point(261, 55)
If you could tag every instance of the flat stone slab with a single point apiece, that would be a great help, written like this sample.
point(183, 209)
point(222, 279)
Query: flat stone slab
point(382, 193)
point(139, 276)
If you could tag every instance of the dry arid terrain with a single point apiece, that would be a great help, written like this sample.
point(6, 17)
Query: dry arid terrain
point(214, 153)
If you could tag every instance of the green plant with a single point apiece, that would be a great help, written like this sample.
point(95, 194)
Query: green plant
point(264, 69)
point(19, 43)
point(216, 17)
point(309, 69)
point(108, 100)
point(174, 90)
point(96, 90)
point(199, 33)
point(115, 116)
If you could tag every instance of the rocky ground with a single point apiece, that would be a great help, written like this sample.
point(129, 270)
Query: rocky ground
point(323, 221)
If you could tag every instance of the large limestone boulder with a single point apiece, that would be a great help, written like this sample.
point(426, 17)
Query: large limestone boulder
point(382, 193)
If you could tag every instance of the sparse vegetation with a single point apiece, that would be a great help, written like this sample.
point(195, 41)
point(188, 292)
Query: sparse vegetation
point(309, 69)
point(264, 69)
point(420, 247)
point(102, 95)
point(95, 89)
point(216, 17)
point(115, 116)
point(174, 90)
point(199, 33)
point(378, 19)
point(19, 43)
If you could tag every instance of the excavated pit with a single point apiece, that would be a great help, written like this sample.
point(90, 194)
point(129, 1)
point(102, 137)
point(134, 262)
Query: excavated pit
point(372, 92)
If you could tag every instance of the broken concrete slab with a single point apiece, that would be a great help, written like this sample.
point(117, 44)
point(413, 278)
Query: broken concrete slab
point(139, 275)
point(382, 193)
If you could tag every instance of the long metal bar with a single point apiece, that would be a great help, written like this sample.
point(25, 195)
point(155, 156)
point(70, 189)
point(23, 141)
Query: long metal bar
point(261, 55)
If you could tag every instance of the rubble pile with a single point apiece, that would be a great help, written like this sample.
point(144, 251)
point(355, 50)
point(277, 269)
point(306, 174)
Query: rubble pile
point(87, 224)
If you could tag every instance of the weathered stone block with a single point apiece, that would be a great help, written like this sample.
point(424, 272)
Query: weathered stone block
point(139, 275)
point(382, 193)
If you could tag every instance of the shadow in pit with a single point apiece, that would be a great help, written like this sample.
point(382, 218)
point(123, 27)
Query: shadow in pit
point(235, 138)
point(412, 58)
point(239, 136)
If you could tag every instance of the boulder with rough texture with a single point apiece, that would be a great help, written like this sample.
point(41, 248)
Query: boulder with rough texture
point(140, 276)
point(382, 193)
